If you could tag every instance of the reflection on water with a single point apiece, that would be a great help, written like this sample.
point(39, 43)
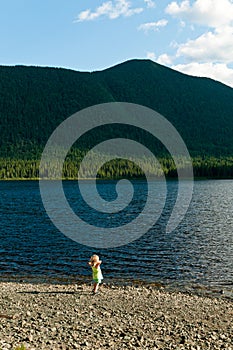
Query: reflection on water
point(198, 252)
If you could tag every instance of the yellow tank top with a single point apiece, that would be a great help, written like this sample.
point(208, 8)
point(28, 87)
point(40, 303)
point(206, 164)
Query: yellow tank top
point(96, 273)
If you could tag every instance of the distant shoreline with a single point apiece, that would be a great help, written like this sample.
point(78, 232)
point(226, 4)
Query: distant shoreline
point(115, 179)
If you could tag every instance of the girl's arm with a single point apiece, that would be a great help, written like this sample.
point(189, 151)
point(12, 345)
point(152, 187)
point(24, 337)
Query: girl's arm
point(98, 263)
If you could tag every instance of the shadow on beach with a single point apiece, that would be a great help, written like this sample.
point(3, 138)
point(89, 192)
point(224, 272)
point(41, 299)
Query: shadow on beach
point(54, 292)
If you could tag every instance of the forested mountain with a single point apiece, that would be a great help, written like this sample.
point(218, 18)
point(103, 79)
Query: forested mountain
point(34, 100)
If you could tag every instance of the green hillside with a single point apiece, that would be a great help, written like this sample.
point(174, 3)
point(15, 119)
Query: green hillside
point(201, 109)
point(34, 100)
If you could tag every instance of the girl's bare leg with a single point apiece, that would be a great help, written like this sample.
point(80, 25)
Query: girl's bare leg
point(96, 286)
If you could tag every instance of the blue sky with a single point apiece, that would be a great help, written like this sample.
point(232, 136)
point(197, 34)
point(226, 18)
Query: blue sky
point(195, 37)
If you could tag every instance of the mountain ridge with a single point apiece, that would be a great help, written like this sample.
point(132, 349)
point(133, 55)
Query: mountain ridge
point(35, 100)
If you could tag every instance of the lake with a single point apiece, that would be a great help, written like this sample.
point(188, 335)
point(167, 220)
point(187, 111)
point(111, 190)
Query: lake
point(197, 254)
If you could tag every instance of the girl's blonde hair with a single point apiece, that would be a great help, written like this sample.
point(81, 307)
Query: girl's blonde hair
point(94, 258)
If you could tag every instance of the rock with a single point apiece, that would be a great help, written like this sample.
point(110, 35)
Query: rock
point(121, 318)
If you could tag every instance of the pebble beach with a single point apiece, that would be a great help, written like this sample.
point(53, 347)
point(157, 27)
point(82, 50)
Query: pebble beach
point(56, 316)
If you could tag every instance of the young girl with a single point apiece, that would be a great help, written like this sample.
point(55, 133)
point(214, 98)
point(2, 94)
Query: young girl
point(96, 272)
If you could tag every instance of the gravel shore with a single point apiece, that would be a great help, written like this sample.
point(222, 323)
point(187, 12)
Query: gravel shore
point(53, 316)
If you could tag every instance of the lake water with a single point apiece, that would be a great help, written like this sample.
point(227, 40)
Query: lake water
point(198, 254)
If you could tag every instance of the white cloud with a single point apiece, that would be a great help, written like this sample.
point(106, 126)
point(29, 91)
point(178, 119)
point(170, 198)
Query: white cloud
point(216, 71)
point(110, 9)
point(164, 59)
point(153, 25)
point(150, 3)
point(211, 46)
point(212, 13)
point(182, 24)
point(209, 54)
point(151, 56)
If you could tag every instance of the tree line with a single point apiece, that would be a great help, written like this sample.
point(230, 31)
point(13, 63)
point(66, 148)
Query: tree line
point(203, 167)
